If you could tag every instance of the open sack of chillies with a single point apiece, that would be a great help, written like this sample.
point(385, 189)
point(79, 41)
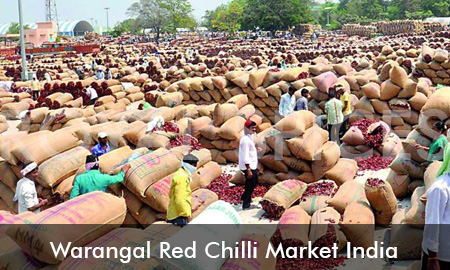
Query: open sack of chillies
point(371, 144)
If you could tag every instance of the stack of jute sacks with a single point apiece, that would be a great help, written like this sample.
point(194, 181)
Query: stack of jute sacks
point(303, 28)
point(435, 26)
point(359, 30)
point(434, 64)
point(3, 124)
point(392, 97)
point(11, 104)
point(409, 169)
point(400, 27)
point(295, 148)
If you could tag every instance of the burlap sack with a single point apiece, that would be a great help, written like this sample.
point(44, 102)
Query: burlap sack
point(358, 225)
point(297, 164)
point(306, 146)
point(349, 192)
point(146, 216)
point(198, 124)
point(325, 159)
point(149, 168)
point(61, 166)
point(398, 76)
point(399, 183)
point(324, 223)
point(296, 123)
point(371, 90)
point(109, 212)
point(354, 136)
point(406, 239)
point(64, 189)
point(389, 90)
point(46, 147)
point(232, 128)
point(383, 200)
point(157, 195)
point(293, 225)
point(324, 81)
point(403, 164)
point(203, 176)
point(285, 193)
point(256, 78)
point(277, 141)
point(155, 140)
point(314, 203)
point(201, 199)
point(344, 170)
point(415, 215)
point(275, 163)
point(438, 103)
point(418, 101)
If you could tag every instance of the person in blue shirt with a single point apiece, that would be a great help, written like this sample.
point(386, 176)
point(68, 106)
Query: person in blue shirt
point(100, 75)
point(102, 147)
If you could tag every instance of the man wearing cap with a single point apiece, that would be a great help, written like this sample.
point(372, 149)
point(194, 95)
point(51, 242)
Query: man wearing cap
point(102, 147)
point(248, 162)
point(180, 208)
point(92, 180)
point(26, 194)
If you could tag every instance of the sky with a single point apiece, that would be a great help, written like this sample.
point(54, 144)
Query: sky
point(34, 10)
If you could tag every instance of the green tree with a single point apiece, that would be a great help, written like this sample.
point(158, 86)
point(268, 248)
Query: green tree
point(272, 15)
point(15, 28)
point(162, 15)
point(211, 15)
point(227, 19)
point(127, 26)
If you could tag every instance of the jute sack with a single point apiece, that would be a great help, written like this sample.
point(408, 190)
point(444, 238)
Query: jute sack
point(293, 227)
point(307, 178)
point(438, 103)
point(349, 192)
point(325, 159)
point(109, 211)
point(7, 195)
point(157, 195)
point(407, 239)
point(391, 146)
point(324, 81)
point(61, 166)
point(232, 128)
point(271, 161)
point(46, 147)
point(203, 176)
point(198, 124)
point(241, 81)
point(314, 203)
point(134, 205)
point(201, 199)
point(398, 76)
point(389, 90)
point(9, 145)
point(344, 170)
point(418, 101)
point(203, 155)
point(256, 78)
point(403, 164)
point(7, 175)
point(231, 156)
point(169, 100)
point(409, 90)
point(417, 155)
point(259, 262)
point(248, 111)
point(399, 183)
point(371, 90)
point(383, 200)
point(296, 164)
point(296, 123)
point(239, 100)
point(64, 189)
point(306, 146)
point(136, 133)
point(354, 136)
point(155, 140)
point(415, 215)
point(287, 176)
point(12, 110)
point(431, 172)
point(281, 196)
point(149, 168)
point(358, 225)
point(110, 161)
point(216, 156)
point(324, 224)
point(277, 141)
point(15, 258)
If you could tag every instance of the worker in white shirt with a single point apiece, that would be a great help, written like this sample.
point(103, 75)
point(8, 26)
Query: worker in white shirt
point(248, 162)
point(436, 239)
point(26, 194)
point(92, 94)
point(287, 102)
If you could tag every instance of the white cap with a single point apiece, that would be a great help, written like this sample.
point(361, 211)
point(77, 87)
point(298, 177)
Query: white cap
point(102, 135)
point(29, 168)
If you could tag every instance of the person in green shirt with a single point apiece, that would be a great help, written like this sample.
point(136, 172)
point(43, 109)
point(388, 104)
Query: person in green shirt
point(92, 180)
point(436, 149)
